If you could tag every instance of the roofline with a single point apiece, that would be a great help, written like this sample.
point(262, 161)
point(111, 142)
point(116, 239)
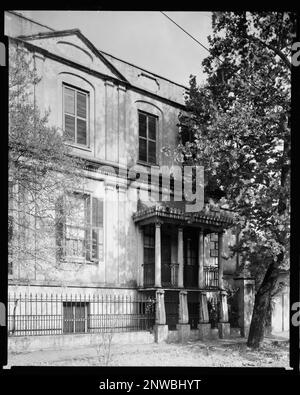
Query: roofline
point(96, 73)
point(99, 50)
point(68, 32)
point(29, 19)
point(141, 68)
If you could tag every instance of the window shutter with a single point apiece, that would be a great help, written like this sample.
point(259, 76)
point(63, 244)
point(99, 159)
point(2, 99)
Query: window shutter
point(88, 228)
point(97, 212)
point(151, 152)
point(97, 223)
point(151, 128)
point(60, 222)
point(143, 149)
point(147, 137)
point(142, 125)
point(10, 228)
point(81, 105)
point(69, 101)
point(81, 131)
point(70, 127)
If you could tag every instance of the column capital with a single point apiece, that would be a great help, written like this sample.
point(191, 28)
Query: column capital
point(108, 83)
point(183, 292)
point(121, 88)
point(158, 223)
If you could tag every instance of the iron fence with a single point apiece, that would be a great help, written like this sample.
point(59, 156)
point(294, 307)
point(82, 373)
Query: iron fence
point(30, 315)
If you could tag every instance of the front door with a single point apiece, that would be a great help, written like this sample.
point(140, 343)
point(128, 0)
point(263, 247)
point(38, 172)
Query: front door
point(172, 309)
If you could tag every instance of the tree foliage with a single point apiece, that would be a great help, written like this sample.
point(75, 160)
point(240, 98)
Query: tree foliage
point(41, 168)
point(239, 124)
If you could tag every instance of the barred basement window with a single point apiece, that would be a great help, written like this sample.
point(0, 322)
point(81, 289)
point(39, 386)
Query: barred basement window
point(147, 137)
point(75, 317)
point(76, 115)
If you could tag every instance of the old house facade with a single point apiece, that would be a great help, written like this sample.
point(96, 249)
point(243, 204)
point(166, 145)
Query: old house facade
point(151, 264)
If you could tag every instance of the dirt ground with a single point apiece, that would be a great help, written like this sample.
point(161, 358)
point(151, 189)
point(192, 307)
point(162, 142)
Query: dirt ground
point(224, 353)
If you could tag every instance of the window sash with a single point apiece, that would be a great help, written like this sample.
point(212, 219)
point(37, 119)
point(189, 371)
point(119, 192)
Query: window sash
point(77, 122)
point(84, 240)
point(148, 124)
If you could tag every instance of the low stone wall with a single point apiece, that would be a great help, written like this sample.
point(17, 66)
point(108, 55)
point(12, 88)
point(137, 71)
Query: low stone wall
point(59, 342)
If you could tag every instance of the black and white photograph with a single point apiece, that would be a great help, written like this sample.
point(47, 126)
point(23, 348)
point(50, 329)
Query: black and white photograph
point(149, 186)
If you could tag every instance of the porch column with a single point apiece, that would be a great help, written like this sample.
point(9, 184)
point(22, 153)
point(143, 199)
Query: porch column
point(140, 231)
point(183, 327)
point(157, 255)
point(160, 327)
point(223, 325)
point(180, 257)
point(160, 316)
point(220, 260)
point(201, 282)
point(183, 308)
point(204, 325)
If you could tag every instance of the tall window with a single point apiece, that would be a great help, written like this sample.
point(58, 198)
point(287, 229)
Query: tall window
point(191, 252)
point(147, 137)
point(75, 115)
point(214, 245)
point(149, 245)
point(80, 228)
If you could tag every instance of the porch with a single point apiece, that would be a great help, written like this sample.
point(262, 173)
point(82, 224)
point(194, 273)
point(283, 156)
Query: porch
point(174, 248)
point(175, 268)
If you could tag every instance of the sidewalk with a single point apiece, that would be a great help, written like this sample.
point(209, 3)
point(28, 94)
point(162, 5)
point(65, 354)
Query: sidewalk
point(220, 352)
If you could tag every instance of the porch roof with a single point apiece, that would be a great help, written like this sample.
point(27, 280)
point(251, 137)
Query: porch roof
point(165, 213)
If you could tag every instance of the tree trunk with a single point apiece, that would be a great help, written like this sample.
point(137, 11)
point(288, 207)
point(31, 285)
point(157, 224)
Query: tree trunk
point(257, 327)
point(261, 304)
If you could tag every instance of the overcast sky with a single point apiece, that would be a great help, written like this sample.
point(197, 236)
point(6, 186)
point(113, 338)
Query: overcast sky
point(147, 39)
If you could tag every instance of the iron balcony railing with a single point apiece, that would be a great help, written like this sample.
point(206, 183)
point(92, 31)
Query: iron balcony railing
point(169, 276)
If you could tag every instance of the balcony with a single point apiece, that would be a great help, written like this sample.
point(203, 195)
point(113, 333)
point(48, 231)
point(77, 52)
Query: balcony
point(169, 275)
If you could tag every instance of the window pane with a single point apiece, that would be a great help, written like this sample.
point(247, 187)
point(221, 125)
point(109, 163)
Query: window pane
point(142, 125)
point(76, 210)
point(81, 132)
point(143, 149)
point(69, 101)
point(151, 152)
point(152, 128)
point(95, 242)
point(81, 104)
point(97, 216)
point(68, 317)
point(70, 127)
